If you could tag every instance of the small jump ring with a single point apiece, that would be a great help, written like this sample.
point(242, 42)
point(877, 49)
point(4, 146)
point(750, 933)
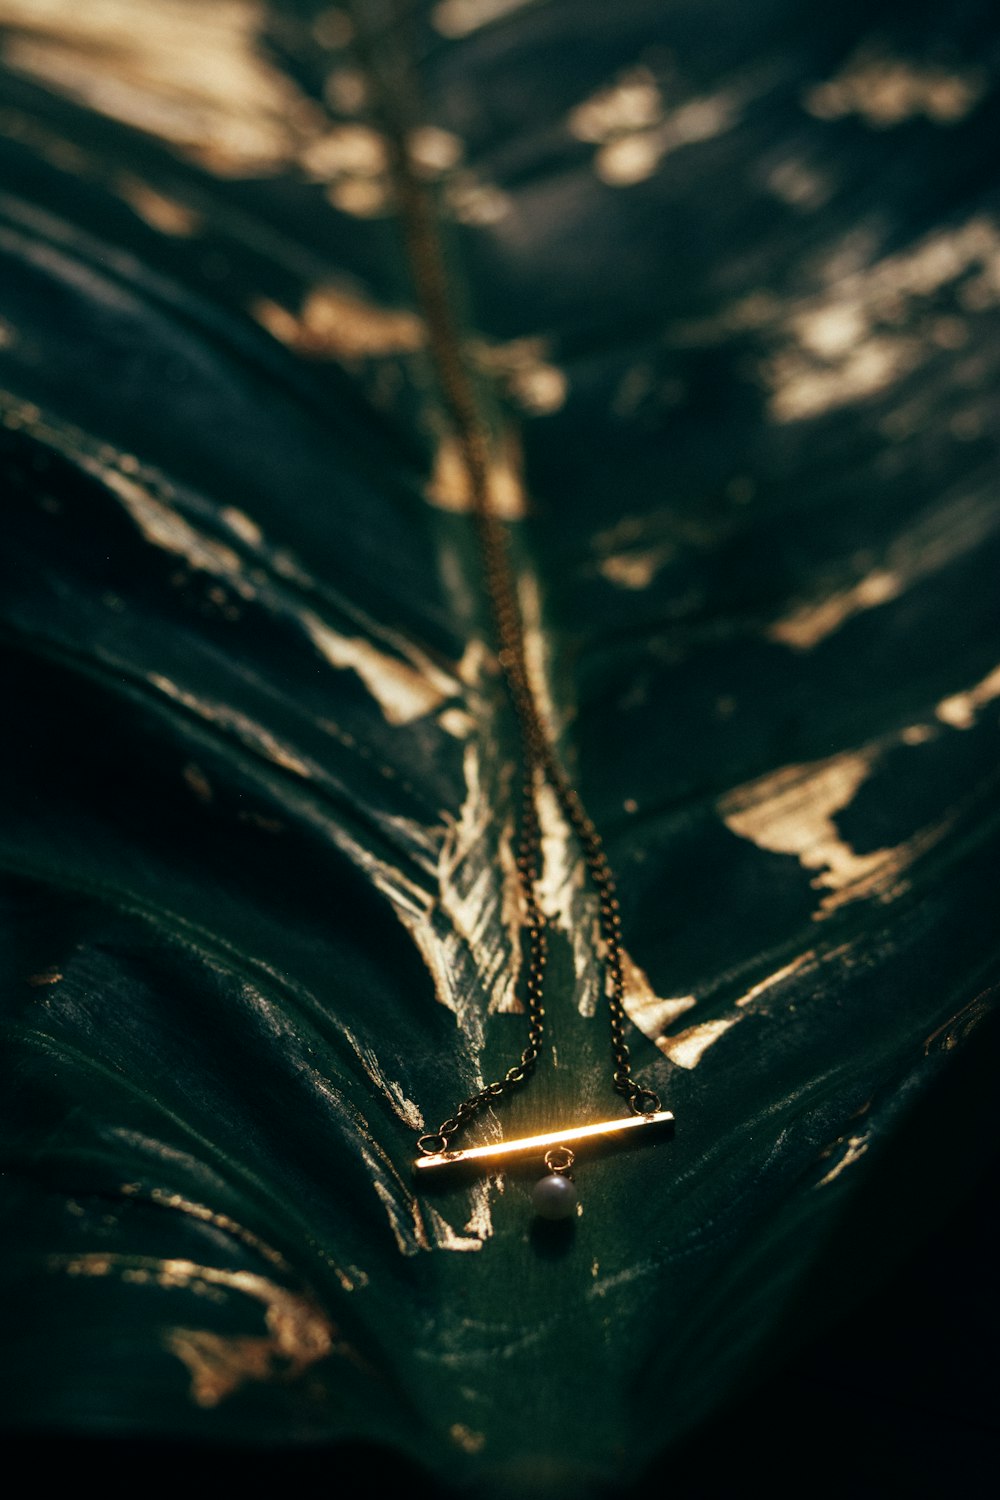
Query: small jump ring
point(559, 1160)
point(645, 1102)
point(433, 1143)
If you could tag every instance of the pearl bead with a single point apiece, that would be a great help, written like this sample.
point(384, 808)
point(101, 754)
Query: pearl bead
point(554, 1197)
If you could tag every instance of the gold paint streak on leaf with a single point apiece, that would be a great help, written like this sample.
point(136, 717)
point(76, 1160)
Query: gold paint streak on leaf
point(44, 977)
point(885, 90)
point(335, 324)
point(812, 622)
point(168, 215)
point(244, 527)
point(450, 487)
point(845, 344)
point(298, 1331)
point(803, 961)
point(636, 570)
point(961, 710)
point(644, 1007)
point(454, 18)
point(447, 1238)
point(526, 372)
point(791, 811)
point(191, 74)
point(250, 733)
point(219, 1364)
point(198, 782)
point(856, 1148)
point(404, 690)
point(933, 542)
point(432, 150)
point(456, 722)
point(362, 197)
point(391, 1091)
point(633, 129)
point(918, 734)
point(633, 103)
point(463, 1437)
point(689, 1047)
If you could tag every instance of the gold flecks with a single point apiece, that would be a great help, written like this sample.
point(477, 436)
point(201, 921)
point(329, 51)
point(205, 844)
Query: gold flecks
point(432, 151)
point(142, 494)
point(456, 722)
point(846, 343)
point(802, 390)
point(168, 215)
point(480, 1220)
point(799, 184)
point(387, 1087)
point(953, 1032)
point(918, 734)
point(885, 90)
point(933, 542)
point(353, 161)
point(536, 650)
point(198, 782)
point(472, 898)
point(961, 710)
point(333, 27)
point(636, 570)
point(791, 811)
point(633, 130)
point(632, 103)
point(404, 690)
point(336, 324)
point(454, 18)
point(651, 1012)
point(857, 1145)
point(472, 201)
point(44, 977)
point(445, 1237)
point(192, 75)
point(166, 528)
point(408, 1231)
point(177, 1203)
point(450, 486)
point(241, 524)
point(566, 898)
point(803, 961)
point(298, 1331)
point(362, 197)
point(463, 1437)
point(252, 734)
point(219, 1364)
point(689, 1047)
point(526, 372)
point(346, 90)
point(810, 623)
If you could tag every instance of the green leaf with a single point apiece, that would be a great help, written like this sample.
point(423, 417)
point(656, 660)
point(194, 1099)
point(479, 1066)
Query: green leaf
point(721, 295)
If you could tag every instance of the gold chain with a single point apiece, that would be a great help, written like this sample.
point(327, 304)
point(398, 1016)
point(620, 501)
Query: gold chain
point(538, 753)
point(538, 756)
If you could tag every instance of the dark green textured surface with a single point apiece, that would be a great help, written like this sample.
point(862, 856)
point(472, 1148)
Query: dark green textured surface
point(256, 761)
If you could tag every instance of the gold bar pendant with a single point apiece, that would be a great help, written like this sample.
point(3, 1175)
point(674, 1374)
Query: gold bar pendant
point(541, 1143)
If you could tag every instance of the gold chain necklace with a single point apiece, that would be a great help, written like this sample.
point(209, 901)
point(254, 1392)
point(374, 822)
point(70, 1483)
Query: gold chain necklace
point(555, 1195)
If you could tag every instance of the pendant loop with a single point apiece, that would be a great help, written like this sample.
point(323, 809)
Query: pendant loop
point(432, 1144)
point(559, 1160)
